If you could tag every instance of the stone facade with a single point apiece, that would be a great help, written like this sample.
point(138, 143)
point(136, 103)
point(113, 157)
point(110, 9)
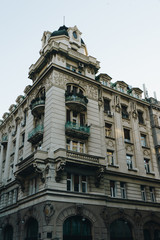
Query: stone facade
point(78, 152)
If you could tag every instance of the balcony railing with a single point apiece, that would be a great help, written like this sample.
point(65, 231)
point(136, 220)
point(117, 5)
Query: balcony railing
point(37, 106)
point(77, 130)
point(76, 102)
point(36, 134)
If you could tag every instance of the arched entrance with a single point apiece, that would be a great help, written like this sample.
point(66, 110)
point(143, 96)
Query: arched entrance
point(31, 229)
point(8, 233)
point(77, 227)
point(120, 230)
point(151, 231)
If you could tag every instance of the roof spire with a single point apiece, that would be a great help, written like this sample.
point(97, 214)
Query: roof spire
point(63, 20)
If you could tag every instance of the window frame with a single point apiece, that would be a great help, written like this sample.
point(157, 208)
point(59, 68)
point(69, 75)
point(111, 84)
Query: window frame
point(147, 165)
point(129, 164)
point(143, 193)
point(123, 190)
point(81, 184)
point(113, 189)
point(110, 157)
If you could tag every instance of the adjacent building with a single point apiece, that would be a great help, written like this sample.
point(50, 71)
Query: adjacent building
point(79, 154)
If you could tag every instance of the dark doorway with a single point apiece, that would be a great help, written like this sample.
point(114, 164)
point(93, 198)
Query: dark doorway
point(8, 232)
point(32, 229)
point(120, 230)
point(77, 228)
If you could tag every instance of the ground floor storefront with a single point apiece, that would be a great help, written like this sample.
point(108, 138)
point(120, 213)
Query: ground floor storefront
point(71, 221)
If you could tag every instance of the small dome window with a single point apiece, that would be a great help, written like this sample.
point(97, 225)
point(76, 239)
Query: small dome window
point(75, 34)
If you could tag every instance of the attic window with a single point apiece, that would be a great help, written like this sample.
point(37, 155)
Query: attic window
point(75, 34)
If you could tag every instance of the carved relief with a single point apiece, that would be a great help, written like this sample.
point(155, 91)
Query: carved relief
point(110, 143)
point(146, 152)
point(129, 148)
point(61, 80)
point(48, 211)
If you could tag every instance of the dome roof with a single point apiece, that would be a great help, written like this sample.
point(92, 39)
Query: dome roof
point(61, 31)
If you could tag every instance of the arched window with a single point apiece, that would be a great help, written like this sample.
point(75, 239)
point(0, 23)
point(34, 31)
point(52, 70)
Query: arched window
point(78, 228)
point(120, 230)
point(32, 229)
point(151, 231)
point(8, 232)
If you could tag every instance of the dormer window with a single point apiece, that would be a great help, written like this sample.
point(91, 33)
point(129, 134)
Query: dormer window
point(75, 34)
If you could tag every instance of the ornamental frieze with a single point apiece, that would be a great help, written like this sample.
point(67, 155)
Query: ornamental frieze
point(61, 80)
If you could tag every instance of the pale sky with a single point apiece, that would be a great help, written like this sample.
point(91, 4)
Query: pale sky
point(124, 35)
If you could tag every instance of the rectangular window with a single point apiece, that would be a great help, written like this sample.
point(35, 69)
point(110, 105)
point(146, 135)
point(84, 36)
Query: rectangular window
point(75, 146)
point(106, 105)
point(108, 129)
point(84, 184)
point(129, 161)
point(147, 165)
point(69, 182)
point(123, 190)
point(110, 157)
point(33, 186)
point(126, 135)
point(143, 140)
point(140, 117)
point(76, 183)
point(68, 66)
point(152, 194)
point(68, 115)
point(113, 188)
point(143, 193)
point(82, 119)
point(125, 114)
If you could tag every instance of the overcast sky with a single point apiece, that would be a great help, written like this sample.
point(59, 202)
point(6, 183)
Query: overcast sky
point(124, 35)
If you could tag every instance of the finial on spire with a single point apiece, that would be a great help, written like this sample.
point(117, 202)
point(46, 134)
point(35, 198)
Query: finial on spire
point(63, 20)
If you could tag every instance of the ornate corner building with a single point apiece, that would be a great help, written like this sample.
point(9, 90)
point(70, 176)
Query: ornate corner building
point(79, 155)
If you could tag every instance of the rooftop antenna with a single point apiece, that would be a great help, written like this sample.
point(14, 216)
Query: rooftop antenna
point(155, 96)
point(63, 20)
point(145, 91)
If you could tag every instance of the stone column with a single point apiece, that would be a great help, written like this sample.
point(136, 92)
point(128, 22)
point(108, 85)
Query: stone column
point(7, 162)
point(1, 161)
point(17, 148)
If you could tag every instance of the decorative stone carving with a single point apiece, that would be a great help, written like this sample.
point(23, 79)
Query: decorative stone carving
point(146, 152)
point(129, 148)
point(61, 80)
point(5, 115)
point(59, 169)
point(137, 217)
point(118, 108)
point(48, 211)
point(19, 99)
point(105, 216)
point(110, 143)
point(79, 209)
point(12, 107)
point(99, 176)
point(27, 88)
point(134, 114)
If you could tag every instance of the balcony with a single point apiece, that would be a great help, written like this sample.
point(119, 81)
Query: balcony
point(77, 130)
point(76, 102)
point(36, 163)
point(66, 160)
point(37, 106)
point(4, 140)
point(36, 134)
